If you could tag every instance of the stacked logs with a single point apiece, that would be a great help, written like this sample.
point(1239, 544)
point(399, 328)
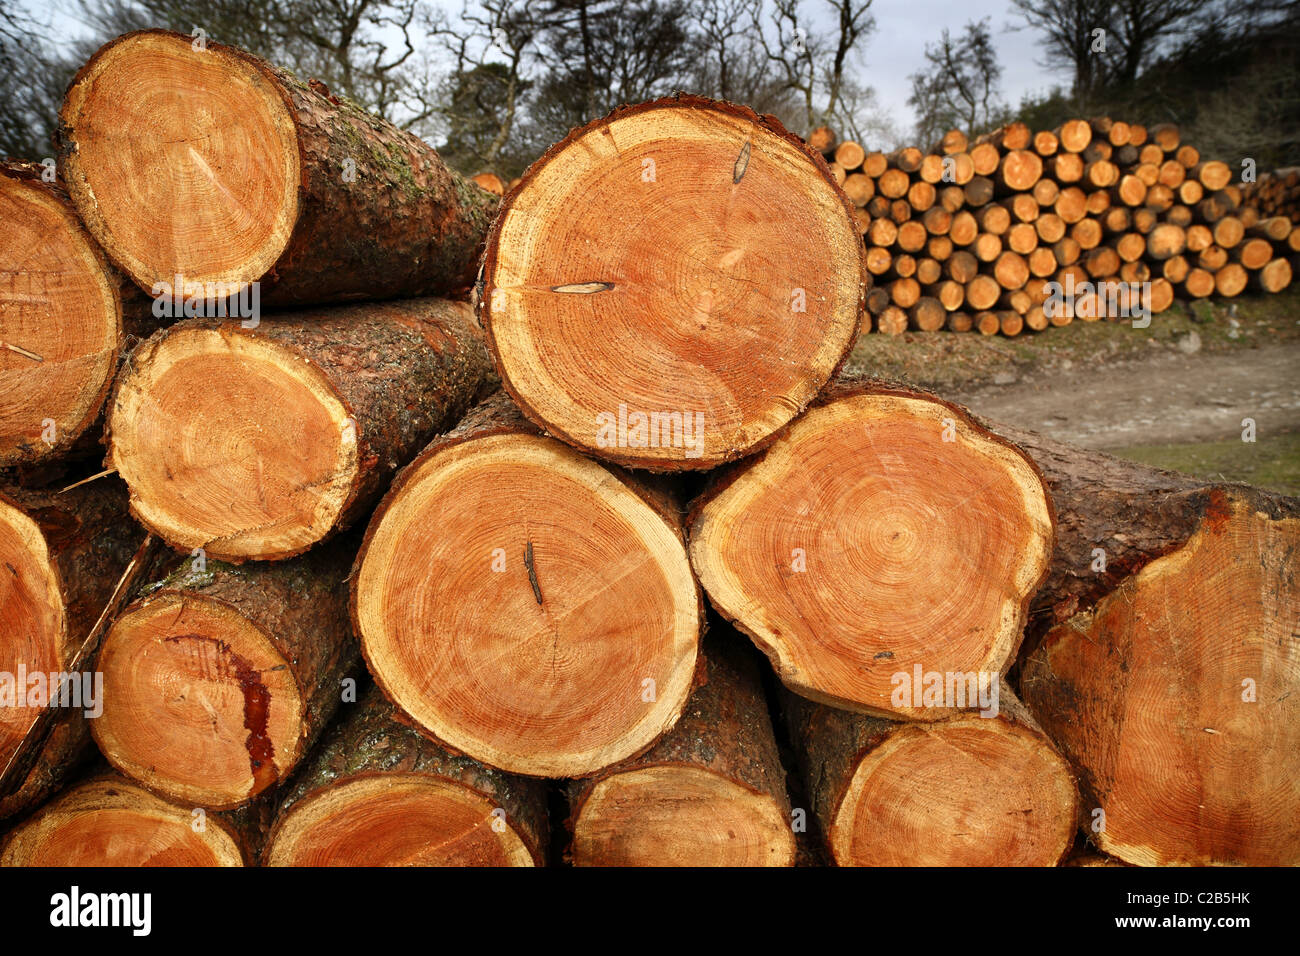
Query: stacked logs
point(1275, 193)
point(972, 235)
point(351, 604)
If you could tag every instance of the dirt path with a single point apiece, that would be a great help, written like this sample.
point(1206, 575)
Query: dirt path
point(1166, 398)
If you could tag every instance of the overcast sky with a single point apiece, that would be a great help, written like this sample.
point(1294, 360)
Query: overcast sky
point(903, 28)
point(893, 52)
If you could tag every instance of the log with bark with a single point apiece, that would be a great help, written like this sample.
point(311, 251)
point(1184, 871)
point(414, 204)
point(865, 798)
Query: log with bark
point(526, 605)
point(1177, 697)
point(249, 175)
point(260, 442)
point(62, 325)
point(1132, 512)
point(735, 308)
point(108, 820)
point(70, 561)
point(379, 793)
point(218, 678)
point(884, 529)
point(710, 793)
point(969, 790)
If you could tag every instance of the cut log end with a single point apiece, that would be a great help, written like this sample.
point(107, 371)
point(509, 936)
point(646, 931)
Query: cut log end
point(225, 151)
point(725, 193)
point(680, 816)
point(33, 624)
point(1187, 735)
point(864, 542)
point(496, 635)
point(60, 323)
point(233, 724)
point(233, 444)
point(397, 819)
point(971, 791)
point(111, 822)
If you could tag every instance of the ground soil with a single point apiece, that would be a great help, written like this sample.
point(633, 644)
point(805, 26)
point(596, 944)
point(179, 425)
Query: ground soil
point(1174, 395)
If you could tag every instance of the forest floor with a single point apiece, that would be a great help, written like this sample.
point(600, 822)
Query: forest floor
point(1174, 395)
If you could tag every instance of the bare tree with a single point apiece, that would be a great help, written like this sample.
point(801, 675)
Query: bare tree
point(958, 87)
point(482, 97)
point(812, 64)
point(860, 118)
point(361, 49)
point(598, 56)
point(726, 37)
point(1106, 41)
point(248, 24)
point(1140, 28)
point(32, 81)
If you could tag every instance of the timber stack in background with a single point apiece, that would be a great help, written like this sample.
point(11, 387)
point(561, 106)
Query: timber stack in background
point(971, 234)
point(405, 571)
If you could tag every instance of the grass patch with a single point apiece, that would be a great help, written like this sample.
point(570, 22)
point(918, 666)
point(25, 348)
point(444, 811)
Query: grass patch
point(1273, 461)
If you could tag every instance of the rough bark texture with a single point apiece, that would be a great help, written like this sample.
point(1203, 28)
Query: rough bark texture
point(828, 745)
point(407, 225)
point(724, 728)
point(1132, 512)
point(371, 740)
point(301, 606)
point(403, 370)
point(92, 543)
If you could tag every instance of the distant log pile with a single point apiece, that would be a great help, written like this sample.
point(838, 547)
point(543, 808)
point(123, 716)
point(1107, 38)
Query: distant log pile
point(1098, 219)
point(1276, 194)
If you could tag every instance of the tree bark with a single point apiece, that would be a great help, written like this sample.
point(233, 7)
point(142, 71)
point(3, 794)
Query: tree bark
point(281, 182)
point(70, 559)
point(260, 442)
point(1133, 513)
point(710, 793)
point(219, 678)
point(567, 641)
point(379, 793)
